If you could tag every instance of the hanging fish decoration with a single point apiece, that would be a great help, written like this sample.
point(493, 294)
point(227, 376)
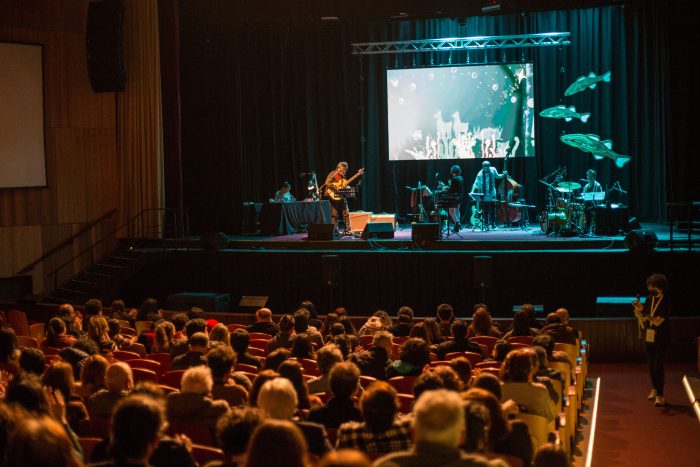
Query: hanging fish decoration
point(592, 144)
point(567, 113)
point(586, 82)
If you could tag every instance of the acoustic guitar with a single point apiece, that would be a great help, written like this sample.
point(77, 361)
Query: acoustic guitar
point(332, 191)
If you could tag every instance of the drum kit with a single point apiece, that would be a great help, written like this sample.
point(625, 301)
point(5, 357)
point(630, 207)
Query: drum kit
point(565, 213)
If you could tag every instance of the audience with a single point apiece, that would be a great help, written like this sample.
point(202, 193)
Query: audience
point(292, 370)
point(219, 335)
point(560, 332)
point(194, 405)
point(119, 380)
point(404, 323)
point(277, 442)
point(413, 357)
point(181, 346)
point(196, 355)
point(92, 376)
point(312, 314)
point(340, 408)
point(221, 360)
point(379, 321)
point(233, 432)
point(482, 324)
point(59, 377)
point(445, 316)
point(98, 331)
point(163, 337)
point(375, 361)
point(32, 361)
point(521, 326)
point(302, 348)
point(57, 334)
point(263, 323)
point(283, 339)
point(40, 441)
point(459, 341)
point(550, 455)
point(328, 356)
point(301, 328)
point(517, 375)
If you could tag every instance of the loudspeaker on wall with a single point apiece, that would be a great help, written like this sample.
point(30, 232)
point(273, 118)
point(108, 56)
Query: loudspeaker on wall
point(330, 268)
point(104, 40)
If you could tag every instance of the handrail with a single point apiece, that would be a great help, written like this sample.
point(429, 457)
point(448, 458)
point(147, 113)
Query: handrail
point(114, 232)
point(67, 241)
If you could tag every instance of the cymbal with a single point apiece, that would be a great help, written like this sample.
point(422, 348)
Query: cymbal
point(546, 184)
point(563, 190)
point(521, 205)
point(569, 185)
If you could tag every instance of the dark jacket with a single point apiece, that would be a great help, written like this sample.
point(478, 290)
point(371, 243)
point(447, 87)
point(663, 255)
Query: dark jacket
point(264, 327)
point(560, 333)
point(518, 442)
point(454, 345)
point(401, 329)
point(280, 340)
point(372, 362)
point(335, 412)
point(188, 360)
point(196, 409)
point(316, 437)
point(428, 454)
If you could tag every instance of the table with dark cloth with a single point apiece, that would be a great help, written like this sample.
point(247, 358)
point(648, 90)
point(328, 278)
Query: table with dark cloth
point(289, 218)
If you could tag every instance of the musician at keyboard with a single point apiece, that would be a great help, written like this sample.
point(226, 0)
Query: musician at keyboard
point(454, 188)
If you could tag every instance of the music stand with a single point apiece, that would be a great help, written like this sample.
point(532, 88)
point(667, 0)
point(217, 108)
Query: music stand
point(479, 198)
point(446, 201)
point(594, 196)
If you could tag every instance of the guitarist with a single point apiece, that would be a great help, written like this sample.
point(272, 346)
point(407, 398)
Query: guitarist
point(334, 181)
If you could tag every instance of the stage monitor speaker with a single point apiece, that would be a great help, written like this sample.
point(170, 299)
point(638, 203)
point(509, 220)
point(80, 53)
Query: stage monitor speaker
point(207, 301)
point(378, 230)
point(104, 40)
point(330, 268)
point(425, 232)
point(321, 232)
point(483, 271)
point(641, 240)
point(213, 240)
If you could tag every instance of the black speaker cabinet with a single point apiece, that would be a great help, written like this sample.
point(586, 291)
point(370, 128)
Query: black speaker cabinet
point(321, 232)
point(105, 45)
point(425, 232)
point(214, 240)
point(483, 271)
point(378, 230)
point(641, 240)
point(610, 220)
point(330, 268)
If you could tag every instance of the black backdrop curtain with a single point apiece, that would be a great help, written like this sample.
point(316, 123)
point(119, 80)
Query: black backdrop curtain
point(264, 102)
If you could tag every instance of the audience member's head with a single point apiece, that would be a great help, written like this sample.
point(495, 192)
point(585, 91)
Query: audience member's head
point(286, 324)
point(550, 455)
point(195, 312)
point(137, 425)
point(27, 392)
point(336, 329)
point(498, 428)
point(40, 441)
point(383, 339)
point(521, 324)
point(118, 377)
point(552, 318)
point(477, 420)
point(179, 320)
point(331, 319)
point(347, 324)
point(416, 352)
point(459, 330)
point(93, 371)
point(433, 328)
point(546, 341)
point(278, 399)
point(293, 371)
point(384, 317)
point(194, 326)
point(32, 360)
point(302, 348)
point(219, 333)
point(309, 305)
point(541, 356)
point(445, 312)
point(405, 319)
point(301, 320)
point(439, 418)
point(343, 380)
point(450, 378)
point(263, 315)
point(59, 376)
point(276, 357)
point(517, 367)
point(563, 315)
point(221, 359)
point(98, 329)
point(490, 383)
point(345, 458)
point(327, 356)
point(463, 367)
point(289, 444)
point(197, 380)
point(500, 350)
point(234, 429)
point(379, 405)
point(420, 331)
point(427, 381)
point(199, 342)
point(87, 345)
point(56, 328)
point(93, 307)
point(343, 343)
point(481, 321)
point(118, 308)
point(405, 310)
point(263, 377)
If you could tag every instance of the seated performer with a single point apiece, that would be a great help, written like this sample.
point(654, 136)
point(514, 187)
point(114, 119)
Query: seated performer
point(334, 181)
point(454, 188)
point(485, 182)
point(591, 187)
point(283, 195)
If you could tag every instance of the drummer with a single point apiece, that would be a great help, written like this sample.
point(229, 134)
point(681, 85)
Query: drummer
point(591, 187)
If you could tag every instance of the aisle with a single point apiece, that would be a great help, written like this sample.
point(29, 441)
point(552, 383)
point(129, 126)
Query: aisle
point(631, 431)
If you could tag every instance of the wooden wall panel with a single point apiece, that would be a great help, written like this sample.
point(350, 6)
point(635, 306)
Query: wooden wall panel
point(6, 263)
point(101, 182)
point(70, 174)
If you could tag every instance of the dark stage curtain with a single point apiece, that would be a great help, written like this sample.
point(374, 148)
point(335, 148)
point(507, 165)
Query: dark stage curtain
point(264, 102)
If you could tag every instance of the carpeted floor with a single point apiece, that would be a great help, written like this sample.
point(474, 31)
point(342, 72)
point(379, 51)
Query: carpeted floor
point(631, 431)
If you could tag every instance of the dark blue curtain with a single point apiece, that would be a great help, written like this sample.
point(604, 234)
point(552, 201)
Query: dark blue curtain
point(263, 103)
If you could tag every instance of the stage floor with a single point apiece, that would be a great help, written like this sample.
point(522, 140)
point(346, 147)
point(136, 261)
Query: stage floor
point(513, 239)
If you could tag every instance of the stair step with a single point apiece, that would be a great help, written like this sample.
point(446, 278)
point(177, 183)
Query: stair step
point(77, 281)
point(98, 274)
point(105, 265)
point(72, 291)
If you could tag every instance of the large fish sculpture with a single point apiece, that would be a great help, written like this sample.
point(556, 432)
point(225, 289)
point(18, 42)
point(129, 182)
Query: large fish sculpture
point(593, 144)
point(586, 82)
point(567, 113)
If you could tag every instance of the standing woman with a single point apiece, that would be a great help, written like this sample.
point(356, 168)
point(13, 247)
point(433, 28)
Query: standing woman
point(655, 329)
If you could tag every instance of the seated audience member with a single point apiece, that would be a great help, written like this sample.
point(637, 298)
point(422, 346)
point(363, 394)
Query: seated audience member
point(289, 448)
point(564, 318)
point(239, 341)
point(559, 332)
point(420, 331)
point(196, 356)
point(379, 321)
point(92, 376)
point(32, 361)
point(98, 331)
point(545, 375)
point(434, 332)
point(458, 343)
point(501, 350)
point(302, 348)
point(163, 337)
point(292, 370)
point(521, 326)
point(529, 309)
point(476, 421)
point(194, 404)
point(404, 323)
point(482, 324)
point(438, 431)
point(413, 357)
point(463, 367)
point(123, 342)
point(427, 381)
point(72, 319)
point(450, 378)
point(193, 326)
point(340, 408)
point(138, 424)
point(545, 341)
point(93, 307)
point(331, 319)
point(328, 356)
point(445, 315)
point(179, 320)
point(550, 455)
point(233, 432)
point(57, 335)
point(314, 321)
point(118, 382)
point(381, 431)
point(301, 328)
point(9, 350)
point(343, 342)
point(195, 313)
point(59, 376)
point(275, 358)
point(278, 400)
point(283, 339)
point(219, 335)
point(263, 323)
point(349, 327)
point(149, 311)
point(221, 360)
point(375, 361)
point(262, 378)
point(40, 441)
point(517, 375)
point(510, 437)
point(489, 383)
point(345, 458)
point(120, 311)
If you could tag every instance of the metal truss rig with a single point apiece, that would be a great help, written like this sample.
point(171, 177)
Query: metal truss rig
point(462, 43)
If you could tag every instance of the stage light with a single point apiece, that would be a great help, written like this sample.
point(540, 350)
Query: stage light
point(493, 6)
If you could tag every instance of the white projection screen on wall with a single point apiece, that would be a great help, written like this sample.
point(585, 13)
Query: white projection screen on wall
point(22, 157)
point(461, 112)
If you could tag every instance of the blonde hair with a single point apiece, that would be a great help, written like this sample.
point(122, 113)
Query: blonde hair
point(278, 398)
point(163, 337)
point(97, 328)
point(220, 333)
point(439, 418)
point(197, 380)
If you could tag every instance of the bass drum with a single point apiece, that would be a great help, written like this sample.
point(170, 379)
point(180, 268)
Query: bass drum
point(550, 221)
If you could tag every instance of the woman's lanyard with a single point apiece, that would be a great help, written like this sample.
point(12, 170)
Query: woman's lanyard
point(655, 306)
